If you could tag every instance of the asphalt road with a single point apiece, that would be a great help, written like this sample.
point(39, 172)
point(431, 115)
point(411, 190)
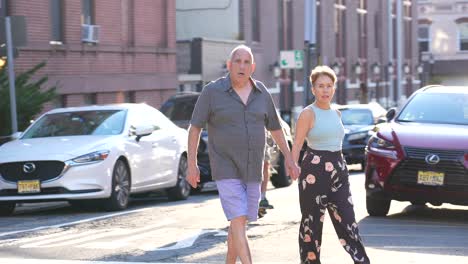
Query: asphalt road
point(154, 230)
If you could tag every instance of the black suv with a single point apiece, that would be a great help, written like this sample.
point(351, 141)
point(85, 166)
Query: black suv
point(179, 109)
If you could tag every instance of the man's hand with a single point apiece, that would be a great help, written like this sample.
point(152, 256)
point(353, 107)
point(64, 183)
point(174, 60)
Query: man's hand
point(193, 176)
point(293, 169)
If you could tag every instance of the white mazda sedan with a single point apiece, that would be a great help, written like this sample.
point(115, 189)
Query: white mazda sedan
point(95, 154)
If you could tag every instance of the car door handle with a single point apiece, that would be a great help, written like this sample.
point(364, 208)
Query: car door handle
point(155, 145)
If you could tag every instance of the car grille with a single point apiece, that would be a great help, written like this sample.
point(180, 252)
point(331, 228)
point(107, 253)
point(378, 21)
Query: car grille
point(451, 163)
point(418, 153)
point(45, 170)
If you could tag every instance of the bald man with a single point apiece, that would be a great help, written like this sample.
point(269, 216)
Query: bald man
point(236, 109)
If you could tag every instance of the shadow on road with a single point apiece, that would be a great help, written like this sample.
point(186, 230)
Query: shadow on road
point(420, 229)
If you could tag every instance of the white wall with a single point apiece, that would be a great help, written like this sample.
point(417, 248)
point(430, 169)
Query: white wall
point(207, 18)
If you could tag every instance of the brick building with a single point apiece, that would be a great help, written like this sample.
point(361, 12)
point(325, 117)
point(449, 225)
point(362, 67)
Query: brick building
point(349, 33)
point(101, 51)
point(443, 40)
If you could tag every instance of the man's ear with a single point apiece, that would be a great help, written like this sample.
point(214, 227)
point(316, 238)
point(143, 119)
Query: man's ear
point(228, 65)
point(253, 67)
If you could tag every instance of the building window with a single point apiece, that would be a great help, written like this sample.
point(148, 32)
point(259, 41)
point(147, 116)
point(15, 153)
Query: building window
point(340, 26)
point(62, 100)
point(423, 38)
point(463, 36)
point(377, 29)
point(87, 12)
point(255, 20)
point(407, 27)
point(56, 16)
point(362, 29)
point(131, 23)
point(130, 97)
point(281, 25)
point(90, 99)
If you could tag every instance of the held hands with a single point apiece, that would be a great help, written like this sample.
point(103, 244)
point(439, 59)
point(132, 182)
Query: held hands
point(293, 169)
point(193, 176)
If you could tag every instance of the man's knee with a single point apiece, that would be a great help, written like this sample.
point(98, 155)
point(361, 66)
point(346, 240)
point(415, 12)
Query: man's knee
point(239, 221)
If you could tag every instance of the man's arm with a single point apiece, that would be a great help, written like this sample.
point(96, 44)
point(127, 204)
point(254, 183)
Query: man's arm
point(193, 173)
point(279, 138)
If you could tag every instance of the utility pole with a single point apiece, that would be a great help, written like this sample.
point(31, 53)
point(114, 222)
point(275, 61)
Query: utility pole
point(11, 75)
point(310, 41)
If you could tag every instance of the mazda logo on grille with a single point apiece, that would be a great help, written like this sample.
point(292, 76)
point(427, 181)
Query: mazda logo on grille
point(29, 167)
point(432, 159)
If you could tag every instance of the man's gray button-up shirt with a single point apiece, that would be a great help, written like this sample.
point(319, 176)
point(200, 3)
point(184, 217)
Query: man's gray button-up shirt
point(236, 131)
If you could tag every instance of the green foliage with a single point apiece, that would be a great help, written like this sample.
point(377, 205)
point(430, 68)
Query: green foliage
point(30, 97)
point(435, 80)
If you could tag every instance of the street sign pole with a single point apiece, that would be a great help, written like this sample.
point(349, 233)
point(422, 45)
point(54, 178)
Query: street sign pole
point(11, 75)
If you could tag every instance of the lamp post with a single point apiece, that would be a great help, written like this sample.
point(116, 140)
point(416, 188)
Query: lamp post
point(276, 70)
point(337, 68)
point(406, 71)
point(420, 70)
point(431, 67)
point(389, 91)
point(362, 85)
point(376, 72)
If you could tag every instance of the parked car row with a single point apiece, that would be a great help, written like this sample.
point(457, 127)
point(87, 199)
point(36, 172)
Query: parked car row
point(98, 154)
point(103, 154)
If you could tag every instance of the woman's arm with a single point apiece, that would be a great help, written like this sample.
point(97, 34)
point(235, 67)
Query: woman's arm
point(304, 123)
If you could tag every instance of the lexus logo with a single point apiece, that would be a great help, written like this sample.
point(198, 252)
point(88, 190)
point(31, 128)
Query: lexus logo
point(432, 159)
point(29, 167)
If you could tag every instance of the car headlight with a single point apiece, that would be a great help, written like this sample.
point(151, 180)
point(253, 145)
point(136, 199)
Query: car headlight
point(91, 157)
point(377, 142)
point(356, 136)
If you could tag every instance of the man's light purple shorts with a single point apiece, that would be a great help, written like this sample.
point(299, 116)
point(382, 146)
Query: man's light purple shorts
point(239, 198)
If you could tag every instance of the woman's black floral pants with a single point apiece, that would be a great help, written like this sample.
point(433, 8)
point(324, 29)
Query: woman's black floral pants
point(324, 185)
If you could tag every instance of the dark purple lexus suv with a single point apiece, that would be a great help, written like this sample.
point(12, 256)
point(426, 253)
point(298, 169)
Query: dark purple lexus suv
point(421, 154)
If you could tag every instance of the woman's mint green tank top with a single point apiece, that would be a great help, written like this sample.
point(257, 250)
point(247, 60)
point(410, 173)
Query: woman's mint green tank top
point(327, 132)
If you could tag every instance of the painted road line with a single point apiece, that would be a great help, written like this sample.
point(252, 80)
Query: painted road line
point(53, 242)
point(55, 261)
point(73, 223)
point(14, 241)
point(124, 242)
point(184, 243)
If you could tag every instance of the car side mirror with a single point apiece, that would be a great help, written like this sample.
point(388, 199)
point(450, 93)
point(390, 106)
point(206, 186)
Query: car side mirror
point(142, 131)
point(390, 114)
point(381, 120)
point(16, 135)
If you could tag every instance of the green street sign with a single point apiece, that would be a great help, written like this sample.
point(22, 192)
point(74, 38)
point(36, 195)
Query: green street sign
point(291, 59)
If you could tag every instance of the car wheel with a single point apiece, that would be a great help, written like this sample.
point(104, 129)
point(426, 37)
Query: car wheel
point(7, 208)
point(120, 188)
point(281, 179)
point(182, 189)
point(377, 207)
point(418, 203)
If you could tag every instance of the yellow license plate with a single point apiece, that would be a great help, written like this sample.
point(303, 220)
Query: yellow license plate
point(29, 186)
point(431, 178)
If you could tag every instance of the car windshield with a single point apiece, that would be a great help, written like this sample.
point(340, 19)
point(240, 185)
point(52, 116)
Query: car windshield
point(438, 108)
point(103, 122)
point(356, 117)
